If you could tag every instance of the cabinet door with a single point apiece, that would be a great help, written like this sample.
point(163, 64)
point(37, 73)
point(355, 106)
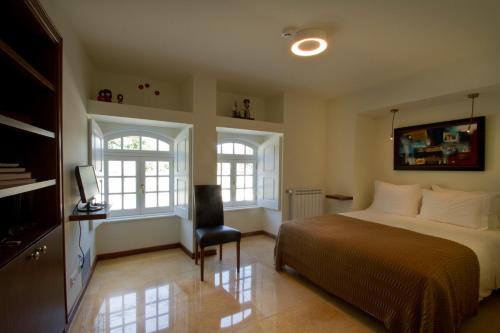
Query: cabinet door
point(32, 290)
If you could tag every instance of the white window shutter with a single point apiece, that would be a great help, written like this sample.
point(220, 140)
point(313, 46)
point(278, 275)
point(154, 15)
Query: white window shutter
point(268, 182)
point(96, 152)
point(182, 171)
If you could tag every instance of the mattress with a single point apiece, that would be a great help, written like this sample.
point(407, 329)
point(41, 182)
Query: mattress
point(484, 243)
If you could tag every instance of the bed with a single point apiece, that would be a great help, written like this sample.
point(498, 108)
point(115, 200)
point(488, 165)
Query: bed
point(412, 274)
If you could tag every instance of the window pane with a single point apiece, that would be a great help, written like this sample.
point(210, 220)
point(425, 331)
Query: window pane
point(115, 185)
point(151, 200)
point(219, 149)
point(129, 185)
point(150, 168)
point(115, 200)
point(227, 148)
point(248, 150)
point(114, 168)
point(148, 143)
point(249, 194)
point(115, 143)
point(129, 168)
point(163, 146)
point(249, 181)
point(163, 168)
point(163, 199)
point(239, 149)
point(163, 183)
point(129, 201)
point(226, 195)
point(218, 180)
point(240, 195)
point(226, 169)
point(150, 184)
point(249, 169)
point(131, 142)
point(240, 181)
point(226, 182)
point(240, 168)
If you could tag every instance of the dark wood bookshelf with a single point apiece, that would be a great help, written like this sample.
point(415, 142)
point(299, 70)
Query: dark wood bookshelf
point(30, 135)
point(20, 125)
point(11, 57)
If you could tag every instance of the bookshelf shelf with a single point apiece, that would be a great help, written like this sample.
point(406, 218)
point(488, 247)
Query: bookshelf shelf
point(6, 121)
point(6, 192)
point(9, 55)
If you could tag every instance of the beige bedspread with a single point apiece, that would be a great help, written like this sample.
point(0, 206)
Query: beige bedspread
point(409, 281)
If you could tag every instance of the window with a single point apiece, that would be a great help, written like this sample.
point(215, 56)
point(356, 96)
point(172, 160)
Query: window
point(138, 174)
point(236, 168)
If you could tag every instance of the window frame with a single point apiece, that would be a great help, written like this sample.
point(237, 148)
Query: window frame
point(233, 159)
point(140, 157)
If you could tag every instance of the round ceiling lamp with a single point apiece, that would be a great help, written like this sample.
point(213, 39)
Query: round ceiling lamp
point(310, 42)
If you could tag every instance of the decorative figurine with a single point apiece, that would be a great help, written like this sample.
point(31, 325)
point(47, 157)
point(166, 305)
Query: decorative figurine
point(119, 98)
point(236, 113)
point(246, 108)
point(105, 95)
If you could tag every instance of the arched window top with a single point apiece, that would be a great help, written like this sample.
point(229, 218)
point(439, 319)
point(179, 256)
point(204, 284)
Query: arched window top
point(137, 141)
point(235, 147)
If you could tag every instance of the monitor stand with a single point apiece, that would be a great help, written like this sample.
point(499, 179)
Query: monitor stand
point(90, 207)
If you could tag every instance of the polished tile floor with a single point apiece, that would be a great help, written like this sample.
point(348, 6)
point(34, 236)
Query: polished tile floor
point(161, 292)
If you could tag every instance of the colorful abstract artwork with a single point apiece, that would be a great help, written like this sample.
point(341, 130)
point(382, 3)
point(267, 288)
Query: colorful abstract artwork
point(452, 145)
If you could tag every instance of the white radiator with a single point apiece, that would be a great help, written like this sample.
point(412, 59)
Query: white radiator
point(305, 202)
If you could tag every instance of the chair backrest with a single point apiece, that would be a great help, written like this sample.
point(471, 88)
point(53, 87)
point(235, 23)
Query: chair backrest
point(208, 206)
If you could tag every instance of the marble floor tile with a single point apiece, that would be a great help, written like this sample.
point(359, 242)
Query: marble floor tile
point(162, 292)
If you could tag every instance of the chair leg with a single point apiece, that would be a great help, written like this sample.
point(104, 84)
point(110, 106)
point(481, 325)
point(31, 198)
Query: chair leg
point(238, 257)
point(202, 262)
point(196, 253)
point(220, 251)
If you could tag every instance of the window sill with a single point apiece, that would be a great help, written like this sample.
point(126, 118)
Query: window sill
point(132, 218)
point(233, 208)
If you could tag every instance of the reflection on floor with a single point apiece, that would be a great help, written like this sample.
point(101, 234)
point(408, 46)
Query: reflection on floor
point(161, 292)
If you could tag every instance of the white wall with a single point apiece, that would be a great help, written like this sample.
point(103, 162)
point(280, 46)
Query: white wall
point(170, 97)
point(76, 88)
point(487, 104)
point(358, 148)
point(137, 234)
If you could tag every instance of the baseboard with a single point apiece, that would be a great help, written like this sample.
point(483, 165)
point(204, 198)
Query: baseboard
point(208, 253)
point(114, 255)
point(257, 233)
point(76, 305)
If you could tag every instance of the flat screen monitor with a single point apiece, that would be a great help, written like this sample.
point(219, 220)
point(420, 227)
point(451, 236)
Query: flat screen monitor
point(87, 183)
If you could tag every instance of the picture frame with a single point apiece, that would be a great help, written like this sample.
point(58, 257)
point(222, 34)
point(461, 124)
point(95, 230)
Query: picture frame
point(455, 145)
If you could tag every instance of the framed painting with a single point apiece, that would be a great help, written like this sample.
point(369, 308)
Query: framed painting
point(457, 145)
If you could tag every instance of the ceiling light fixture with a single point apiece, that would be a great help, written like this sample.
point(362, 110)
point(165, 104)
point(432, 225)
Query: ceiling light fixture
point(309, 42)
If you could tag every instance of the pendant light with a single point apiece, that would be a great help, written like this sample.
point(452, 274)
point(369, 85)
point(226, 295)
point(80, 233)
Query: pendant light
point(393, 111)
point(472, 96)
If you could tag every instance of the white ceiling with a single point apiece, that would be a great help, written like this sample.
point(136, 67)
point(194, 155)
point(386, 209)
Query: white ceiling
point(371, 42)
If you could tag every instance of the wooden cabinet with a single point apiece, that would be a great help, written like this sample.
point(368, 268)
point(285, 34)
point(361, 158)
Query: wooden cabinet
point(32, 288)
point(32, 282)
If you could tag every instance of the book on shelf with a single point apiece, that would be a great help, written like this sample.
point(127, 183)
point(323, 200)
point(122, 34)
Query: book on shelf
point(9, 165)
point(12, 170)
point(19, 175)
point(16, 182)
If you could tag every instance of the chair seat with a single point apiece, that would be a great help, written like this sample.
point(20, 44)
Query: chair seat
point(217, 235)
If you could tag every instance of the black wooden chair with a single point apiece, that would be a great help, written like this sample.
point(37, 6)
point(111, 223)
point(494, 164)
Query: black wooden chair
point(209, 223)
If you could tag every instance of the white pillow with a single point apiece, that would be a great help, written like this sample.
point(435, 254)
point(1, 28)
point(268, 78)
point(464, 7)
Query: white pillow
point(492, 205)
point(464, 209)
point(396, 199)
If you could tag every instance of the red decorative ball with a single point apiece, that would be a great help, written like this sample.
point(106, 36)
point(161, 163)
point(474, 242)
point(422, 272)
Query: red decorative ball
point(141, 86)
point(157, 92)
point(146, 85)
